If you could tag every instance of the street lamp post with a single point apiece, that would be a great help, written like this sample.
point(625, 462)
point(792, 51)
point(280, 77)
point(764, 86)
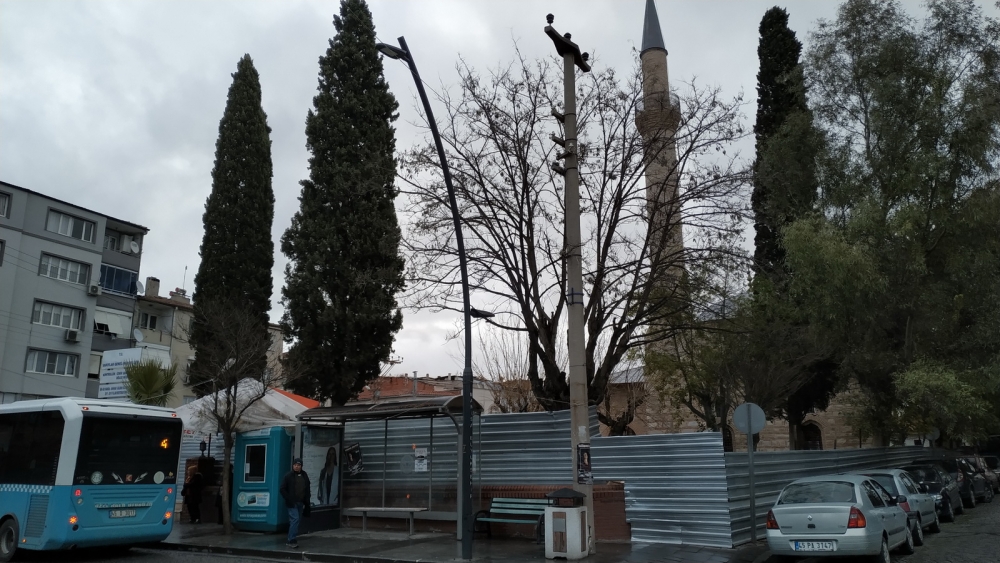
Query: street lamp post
point(465, 489)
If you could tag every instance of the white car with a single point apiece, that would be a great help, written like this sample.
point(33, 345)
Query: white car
point(919, 504)
point(838, 515)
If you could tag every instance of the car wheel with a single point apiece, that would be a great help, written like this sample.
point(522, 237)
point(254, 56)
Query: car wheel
point(988, 497)
point(917, 533)
point(907, 547)
point(883, 554)
point(8, 540)
point(960, 508)
point(935, 527)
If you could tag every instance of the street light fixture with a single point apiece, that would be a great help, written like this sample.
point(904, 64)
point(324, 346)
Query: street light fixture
point(465, 488)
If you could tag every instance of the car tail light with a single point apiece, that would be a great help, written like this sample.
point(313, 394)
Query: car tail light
point(961, 477)
point(856, 519)
point(905, 506)
point(772, 524)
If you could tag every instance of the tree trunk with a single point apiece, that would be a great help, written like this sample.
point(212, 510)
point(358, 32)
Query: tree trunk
point(227, 520)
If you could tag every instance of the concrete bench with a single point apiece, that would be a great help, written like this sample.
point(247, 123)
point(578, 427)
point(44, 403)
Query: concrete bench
point(514, 511)
point(386, 512)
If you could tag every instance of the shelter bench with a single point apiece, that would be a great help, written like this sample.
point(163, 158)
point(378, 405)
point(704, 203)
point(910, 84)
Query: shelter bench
point(514, 511)
point(387, 512)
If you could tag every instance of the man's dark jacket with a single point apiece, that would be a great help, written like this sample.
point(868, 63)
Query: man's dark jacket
point(287, 490)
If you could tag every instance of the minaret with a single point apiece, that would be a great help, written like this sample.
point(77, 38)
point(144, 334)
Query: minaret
point(657, 120)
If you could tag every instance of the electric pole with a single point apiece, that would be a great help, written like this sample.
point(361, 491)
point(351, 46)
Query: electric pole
point(580, 421)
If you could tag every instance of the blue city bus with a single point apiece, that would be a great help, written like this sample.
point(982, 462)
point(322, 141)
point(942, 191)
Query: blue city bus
point(86, 473)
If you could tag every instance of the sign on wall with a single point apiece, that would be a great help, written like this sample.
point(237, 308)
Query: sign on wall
point(113, 376)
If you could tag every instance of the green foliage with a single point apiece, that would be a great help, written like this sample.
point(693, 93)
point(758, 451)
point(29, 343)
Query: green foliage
point(344, 267)
point(149, 383)
point(784, 173)
point(237, 253)
point(900, 269)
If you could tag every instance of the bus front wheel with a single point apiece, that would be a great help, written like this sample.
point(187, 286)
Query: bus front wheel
point(8, 540)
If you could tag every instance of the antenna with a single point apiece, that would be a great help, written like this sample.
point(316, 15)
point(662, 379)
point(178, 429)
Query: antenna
point(134, 246)
point(137, 334)
point(184, 278)
point(139, 287)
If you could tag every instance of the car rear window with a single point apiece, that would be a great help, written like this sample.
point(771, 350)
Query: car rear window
point(888, 482)
point(925, 474)
point(818, 492)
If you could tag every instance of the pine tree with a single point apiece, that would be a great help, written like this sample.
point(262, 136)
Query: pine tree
point(784, 173)
point(237, 253)
point(343, 245)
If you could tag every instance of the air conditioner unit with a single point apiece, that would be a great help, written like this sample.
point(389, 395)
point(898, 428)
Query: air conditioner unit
point(93, 289)
point(72, 335)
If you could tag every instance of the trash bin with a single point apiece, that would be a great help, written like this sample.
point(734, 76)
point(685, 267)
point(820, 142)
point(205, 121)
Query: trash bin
point(566, 533)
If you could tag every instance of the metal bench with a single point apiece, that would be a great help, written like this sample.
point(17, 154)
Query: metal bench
point(514, 511)
point(385, 512)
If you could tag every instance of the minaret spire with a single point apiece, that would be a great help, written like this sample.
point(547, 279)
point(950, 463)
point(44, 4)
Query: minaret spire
point(652, 38)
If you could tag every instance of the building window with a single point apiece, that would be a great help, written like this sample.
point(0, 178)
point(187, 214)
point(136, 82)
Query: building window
point(147, 321)
point(57, 315)
point(118, 280)
point(62, 269)
point(4, 205)
point(70, 226)
point(40, 361)
point(112, 241)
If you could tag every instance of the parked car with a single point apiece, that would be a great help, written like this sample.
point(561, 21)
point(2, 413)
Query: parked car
point(942, 486)
point(993, 462)
point(919, 505)
point(979, 464)
point(971, 484)
point(837, 515)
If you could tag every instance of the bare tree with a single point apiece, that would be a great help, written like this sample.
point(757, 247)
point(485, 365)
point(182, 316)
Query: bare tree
point(639, 284)
point(232, 376)
point(503, 362)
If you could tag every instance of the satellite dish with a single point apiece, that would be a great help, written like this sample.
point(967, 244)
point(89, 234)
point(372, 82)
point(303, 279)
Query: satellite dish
point(138, 335)
point(134, 246)
point(139, 287)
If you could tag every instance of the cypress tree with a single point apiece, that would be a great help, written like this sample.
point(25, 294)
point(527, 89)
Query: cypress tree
point(237, 253)
point(343, 245)
point(784, 184)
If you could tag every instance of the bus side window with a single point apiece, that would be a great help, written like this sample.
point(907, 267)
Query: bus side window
point(6, 437)
point(34, 446)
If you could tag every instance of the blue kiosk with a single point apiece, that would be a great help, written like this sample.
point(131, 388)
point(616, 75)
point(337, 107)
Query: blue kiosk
point(263, 457)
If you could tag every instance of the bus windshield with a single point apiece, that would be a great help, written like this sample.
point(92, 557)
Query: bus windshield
point(122, 450)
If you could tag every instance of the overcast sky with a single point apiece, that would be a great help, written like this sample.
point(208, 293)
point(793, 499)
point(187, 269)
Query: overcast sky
point(115, 105)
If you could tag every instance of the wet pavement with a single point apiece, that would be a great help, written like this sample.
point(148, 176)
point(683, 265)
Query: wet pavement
point(353, 545)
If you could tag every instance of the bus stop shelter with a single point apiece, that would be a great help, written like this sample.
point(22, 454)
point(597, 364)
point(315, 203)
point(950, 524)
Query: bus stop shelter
point(401, 456)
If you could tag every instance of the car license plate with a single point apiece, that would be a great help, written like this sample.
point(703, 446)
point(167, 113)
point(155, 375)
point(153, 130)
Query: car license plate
point(123, 513)
point(815, 546)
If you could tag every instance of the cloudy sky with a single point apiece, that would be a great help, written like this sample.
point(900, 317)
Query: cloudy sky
point(115, 105)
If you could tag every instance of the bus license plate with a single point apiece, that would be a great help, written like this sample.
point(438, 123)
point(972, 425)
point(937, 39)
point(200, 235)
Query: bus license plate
point(814, 546)
point(123, 513)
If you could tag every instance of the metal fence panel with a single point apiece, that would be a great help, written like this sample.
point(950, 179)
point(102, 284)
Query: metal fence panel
point(675, 485)
point(774, 470)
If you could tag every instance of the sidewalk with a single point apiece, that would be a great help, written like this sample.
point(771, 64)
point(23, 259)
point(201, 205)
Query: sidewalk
point(351, 545)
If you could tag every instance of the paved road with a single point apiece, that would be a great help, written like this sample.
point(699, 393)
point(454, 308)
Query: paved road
point(973, 538)
point(131, 556)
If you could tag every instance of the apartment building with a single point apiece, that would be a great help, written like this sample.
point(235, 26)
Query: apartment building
point(164, 323)
point(68, 281)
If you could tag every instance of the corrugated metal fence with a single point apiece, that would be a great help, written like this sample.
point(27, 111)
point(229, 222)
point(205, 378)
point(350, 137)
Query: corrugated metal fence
point(774, 470)
point(675, 485)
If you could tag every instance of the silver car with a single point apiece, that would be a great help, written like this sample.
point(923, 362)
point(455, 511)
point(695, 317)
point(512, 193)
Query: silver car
point(837, 515)
point(919, 505)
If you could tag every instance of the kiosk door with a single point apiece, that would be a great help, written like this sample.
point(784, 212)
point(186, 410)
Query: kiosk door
point(261, 459)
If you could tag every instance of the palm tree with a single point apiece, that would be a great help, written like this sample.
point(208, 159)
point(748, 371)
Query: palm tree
point(149, 383)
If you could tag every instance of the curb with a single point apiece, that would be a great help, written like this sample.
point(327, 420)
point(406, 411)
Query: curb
point(269, 554)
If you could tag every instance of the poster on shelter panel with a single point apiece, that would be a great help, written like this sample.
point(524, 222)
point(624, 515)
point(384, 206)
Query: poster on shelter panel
point(321, 460)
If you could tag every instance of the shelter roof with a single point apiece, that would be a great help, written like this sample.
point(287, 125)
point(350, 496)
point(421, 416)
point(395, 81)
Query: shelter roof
point(394, 407)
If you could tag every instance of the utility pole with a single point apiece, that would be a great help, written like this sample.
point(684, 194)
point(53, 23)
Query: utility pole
point(579, 419)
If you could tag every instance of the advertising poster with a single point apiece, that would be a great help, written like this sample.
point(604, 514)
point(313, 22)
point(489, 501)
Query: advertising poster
point(584, 474)
point(321, 460)
point(354, 462)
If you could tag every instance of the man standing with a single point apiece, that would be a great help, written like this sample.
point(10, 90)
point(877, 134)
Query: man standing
point(295, 490)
